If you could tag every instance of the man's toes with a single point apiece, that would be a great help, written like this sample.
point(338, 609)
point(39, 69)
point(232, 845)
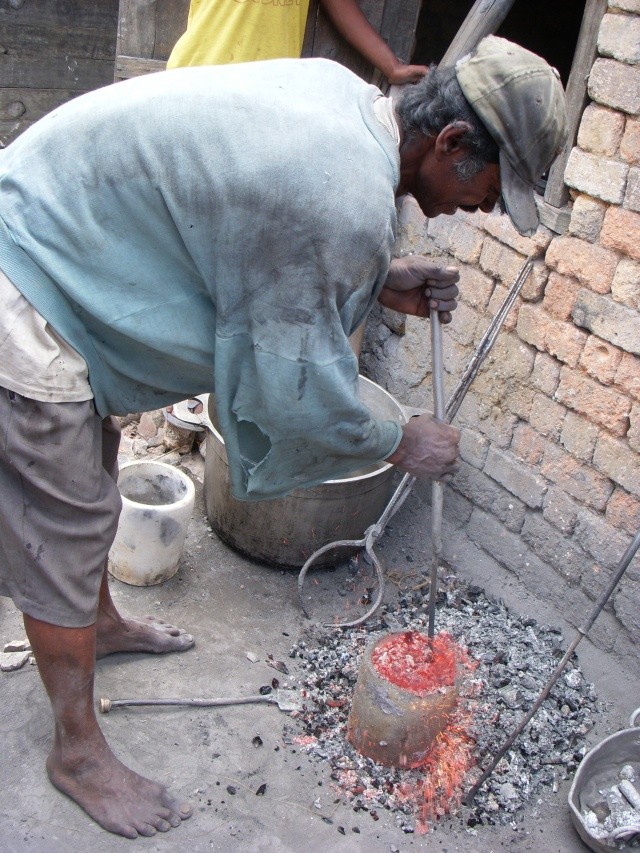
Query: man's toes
point(184, 810)
point(146, 829)
point(186, 641)
point(129, 832)
point(163, 825)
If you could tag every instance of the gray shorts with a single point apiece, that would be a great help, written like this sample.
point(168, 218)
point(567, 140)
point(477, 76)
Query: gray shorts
point(59, 506)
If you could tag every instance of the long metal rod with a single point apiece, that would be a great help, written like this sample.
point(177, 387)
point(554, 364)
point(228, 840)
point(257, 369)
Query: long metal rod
point(582, 632)
point(437, 486)
point(487, 341)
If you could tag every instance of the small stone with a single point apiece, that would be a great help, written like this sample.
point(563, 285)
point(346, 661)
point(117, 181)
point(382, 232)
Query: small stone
point(18, 646)
point(573, 678)
point(254, 658)
point(13, 660)
point(508, 792)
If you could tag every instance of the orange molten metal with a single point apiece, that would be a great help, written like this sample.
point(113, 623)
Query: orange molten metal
point(406, 691)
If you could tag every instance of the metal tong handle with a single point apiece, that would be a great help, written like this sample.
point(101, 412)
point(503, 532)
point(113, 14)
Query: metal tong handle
point(437, 486)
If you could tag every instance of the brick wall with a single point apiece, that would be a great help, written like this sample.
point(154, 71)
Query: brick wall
point(550, 476)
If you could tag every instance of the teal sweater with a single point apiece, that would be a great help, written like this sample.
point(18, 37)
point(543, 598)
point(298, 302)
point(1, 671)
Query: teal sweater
point(218, 228)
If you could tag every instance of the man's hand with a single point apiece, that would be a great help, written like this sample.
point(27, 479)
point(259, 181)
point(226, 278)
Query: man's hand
point(415, 285)
point(428, 448)
point(401, 73)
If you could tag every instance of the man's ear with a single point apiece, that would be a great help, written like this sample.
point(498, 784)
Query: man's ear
point(450, 139)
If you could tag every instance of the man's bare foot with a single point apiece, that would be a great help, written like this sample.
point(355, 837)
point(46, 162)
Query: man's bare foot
point(138, 635)
point(120, 800)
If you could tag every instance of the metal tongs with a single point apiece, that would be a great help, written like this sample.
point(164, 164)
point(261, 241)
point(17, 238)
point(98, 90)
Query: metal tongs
point(402, 492)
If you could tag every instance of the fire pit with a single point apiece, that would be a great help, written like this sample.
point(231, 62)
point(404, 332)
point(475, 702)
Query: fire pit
point(510, 660)
point(406, 690)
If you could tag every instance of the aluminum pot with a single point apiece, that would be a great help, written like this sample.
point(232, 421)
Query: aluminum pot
point(598, 772)
point(285, 531)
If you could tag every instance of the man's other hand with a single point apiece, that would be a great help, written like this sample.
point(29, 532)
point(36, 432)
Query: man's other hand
point(428, 448)
point(416, 285)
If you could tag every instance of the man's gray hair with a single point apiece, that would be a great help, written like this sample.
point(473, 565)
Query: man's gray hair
point(436, 101)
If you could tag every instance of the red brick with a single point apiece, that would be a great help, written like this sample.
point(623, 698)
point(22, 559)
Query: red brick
point(592, 265)
point(578, 480)
point(475, 287)
point(565, 341)
point(560, 296)
point(630, 145)
point(532, 323)
point(633, 436)
point(601, 359)
point(621, 231)
point(547, 416)
point(502, 229)
point(601, 405)
point(614, 458)
point(500, 261)
point(463, 326)
point(533, 288)
point(465, 243)
point(628, 375)
point(518, 401)
point(546, 373)
point(528, 444)
point(579, 436)
point(560, 510)
point(623, 511)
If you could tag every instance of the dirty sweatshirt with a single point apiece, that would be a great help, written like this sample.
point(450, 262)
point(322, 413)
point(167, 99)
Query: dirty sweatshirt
point(216, 229)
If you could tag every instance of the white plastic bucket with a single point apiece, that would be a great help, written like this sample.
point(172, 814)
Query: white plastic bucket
point(157, 503)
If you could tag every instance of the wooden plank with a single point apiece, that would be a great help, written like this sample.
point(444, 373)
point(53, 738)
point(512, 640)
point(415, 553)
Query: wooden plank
point(134, 66)
point(31, 104)
point(20, 108)
point(399, 23)
point(102, 15)
point(555, 218)
point(38, 40)
point(149, 28)
point(54, 72)
point(557, 193)
point(321, 38)
point(483, 19)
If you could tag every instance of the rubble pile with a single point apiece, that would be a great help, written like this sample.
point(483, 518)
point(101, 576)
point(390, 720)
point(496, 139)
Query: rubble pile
point(514, 659)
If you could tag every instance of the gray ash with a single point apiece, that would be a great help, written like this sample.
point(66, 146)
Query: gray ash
point(515, 657)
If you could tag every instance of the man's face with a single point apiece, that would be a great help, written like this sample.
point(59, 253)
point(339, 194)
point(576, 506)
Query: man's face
point(428, 172)
point(440, 191)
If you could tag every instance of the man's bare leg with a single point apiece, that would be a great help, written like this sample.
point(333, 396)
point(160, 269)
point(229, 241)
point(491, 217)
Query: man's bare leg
point(115, 633)
point(81, 763)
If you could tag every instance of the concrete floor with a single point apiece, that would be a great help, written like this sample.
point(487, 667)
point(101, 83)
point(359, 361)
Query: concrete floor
point(234, 606)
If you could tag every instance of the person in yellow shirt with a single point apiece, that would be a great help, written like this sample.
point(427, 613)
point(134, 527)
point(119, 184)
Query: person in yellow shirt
point(229, 31)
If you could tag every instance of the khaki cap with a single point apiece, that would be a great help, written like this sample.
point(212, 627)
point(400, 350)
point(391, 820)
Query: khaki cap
point(519, 98)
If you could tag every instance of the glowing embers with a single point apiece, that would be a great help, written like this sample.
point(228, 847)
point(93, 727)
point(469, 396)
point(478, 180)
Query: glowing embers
point(406, 691)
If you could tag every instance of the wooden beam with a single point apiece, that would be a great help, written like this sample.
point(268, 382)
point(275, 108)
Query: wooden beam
point(399, 23)
point(483, 19)
point(134, 66)
point(556, 219)
point(557, 193)
point(55, 72)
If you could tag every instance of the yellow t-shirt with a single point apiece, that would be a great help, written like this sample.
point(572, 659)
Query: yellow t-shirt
point(227, 31)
